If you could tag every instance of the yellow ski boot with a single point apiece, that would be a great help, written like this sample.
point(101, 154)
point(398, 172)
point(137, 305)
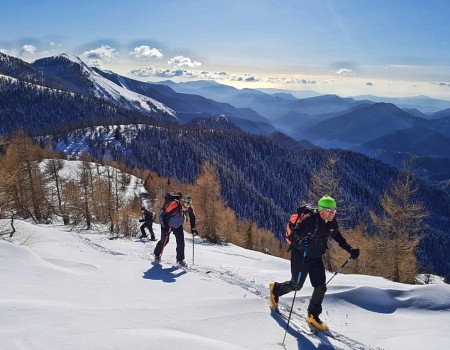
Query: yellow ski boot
point(273, 297)
point(315, 324)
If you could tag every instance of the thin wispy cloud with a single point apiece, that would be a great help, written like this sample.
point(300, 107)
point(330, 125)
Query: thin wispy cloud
point(281, 80)
point(145, 52)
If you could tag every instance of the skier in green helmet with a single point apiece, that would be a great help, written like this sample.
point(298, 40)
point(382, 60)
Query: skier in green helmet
point(308, 244)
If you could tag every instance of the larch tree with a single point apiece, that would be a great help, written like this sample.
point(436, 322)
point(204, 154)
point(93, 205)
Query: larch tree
point(52, 171)
point(28, 188)
point(209, 206)
point(400, 229)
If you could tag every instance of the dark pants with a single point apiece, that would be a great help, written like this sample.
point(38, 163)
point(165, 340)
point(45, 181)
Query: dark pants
point(150, 229)
point(316, 270)
point(179, 236)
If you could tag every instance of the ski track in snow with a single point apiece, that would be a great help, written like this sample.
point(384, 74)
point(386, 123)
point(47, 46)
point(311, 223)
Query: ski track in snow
point(297, 322)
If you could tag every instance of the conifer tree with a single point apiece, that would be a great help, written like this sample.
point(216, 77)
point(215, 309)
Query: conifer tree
point(400, 229)
point(27, 189)
point(208, 203)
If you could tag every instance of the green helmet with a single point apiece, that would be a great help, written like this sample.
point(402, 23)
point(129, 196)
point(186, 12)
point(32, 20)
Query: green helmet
point(187, 200)
point(326, 202)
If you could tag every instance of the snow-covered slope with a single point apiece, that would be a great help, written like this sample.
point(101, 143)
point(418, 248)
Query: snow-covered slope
point(62, 289)
point(78, 76)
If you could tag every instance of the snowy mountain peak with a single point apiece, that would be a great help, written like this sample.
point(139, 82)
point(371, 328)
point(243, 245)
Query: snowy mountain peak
point(79, 77)
point(71, 57)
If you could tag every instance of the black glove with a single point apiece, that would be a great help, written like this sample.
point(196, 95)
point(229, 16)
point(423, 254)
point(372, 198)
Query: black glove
point(354, 253)
point(194, 232)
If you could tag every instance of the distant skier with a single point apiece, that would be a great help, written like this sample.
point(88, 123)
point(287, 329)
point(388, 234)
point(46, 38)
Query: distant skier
point(308, 244)
point(147, 219)
point(171, 219)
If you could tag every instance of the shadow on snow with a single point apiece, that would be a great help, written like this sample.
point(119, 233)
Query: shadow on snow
point(303, 341)
point(167, 275)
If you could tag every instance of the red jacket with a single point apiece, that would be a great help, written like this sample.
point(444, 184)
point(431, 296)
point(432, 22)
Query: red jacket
point(173, 215)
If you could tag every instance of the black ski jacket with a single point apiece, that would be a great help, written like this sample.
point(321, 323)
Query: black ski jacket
point(319, 232)
point(147, 217)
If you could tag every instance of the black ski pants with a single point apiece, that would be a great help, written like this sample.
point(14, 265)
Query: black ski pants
point(179, 236)
point(149, 227)
point(313, 267)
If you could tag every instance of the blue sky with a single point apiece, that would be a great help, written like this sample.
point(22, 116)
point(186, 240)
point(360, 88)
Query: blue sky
point(346, 47)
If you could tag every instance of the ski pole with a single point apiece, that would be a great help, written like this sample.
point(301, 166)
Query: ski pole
point(193, 243)
point(293, 300)
point(339, 270)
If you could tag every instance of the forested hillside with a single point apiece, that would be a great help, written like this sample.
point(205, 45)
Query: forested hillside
point(261, 179)
point(39, 109)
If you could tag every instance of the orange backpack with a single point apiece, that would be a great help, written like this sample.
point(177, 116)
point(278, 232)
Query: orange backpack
point(304, 211)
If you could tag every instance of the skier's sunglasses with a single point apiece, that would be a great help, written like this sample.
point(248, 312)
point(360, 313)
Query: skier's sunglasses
point(328, 210)
point(186, 201)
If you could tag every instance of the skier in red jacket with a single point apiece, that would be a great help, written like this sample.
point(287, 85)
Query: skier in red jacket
point(171, 219)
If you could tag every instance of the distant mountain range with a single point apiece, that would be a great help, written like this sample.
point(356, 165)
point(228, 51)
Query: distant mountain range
point(74, 95)
point(353, 123)
point(424, 104)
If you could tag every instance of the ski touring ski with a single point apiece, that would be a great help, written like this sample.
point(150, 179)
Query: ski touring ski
point(182, 266)
point(298, 322)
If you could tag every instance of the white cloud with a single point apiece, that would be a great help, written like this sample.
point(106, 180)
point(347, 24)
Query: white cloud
point(104, 52)
point(347, 72)
point(145, 52)
point(181, 61)
point(151, 71)
point(246, 77)
point(53, 44)
point(28, 49)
